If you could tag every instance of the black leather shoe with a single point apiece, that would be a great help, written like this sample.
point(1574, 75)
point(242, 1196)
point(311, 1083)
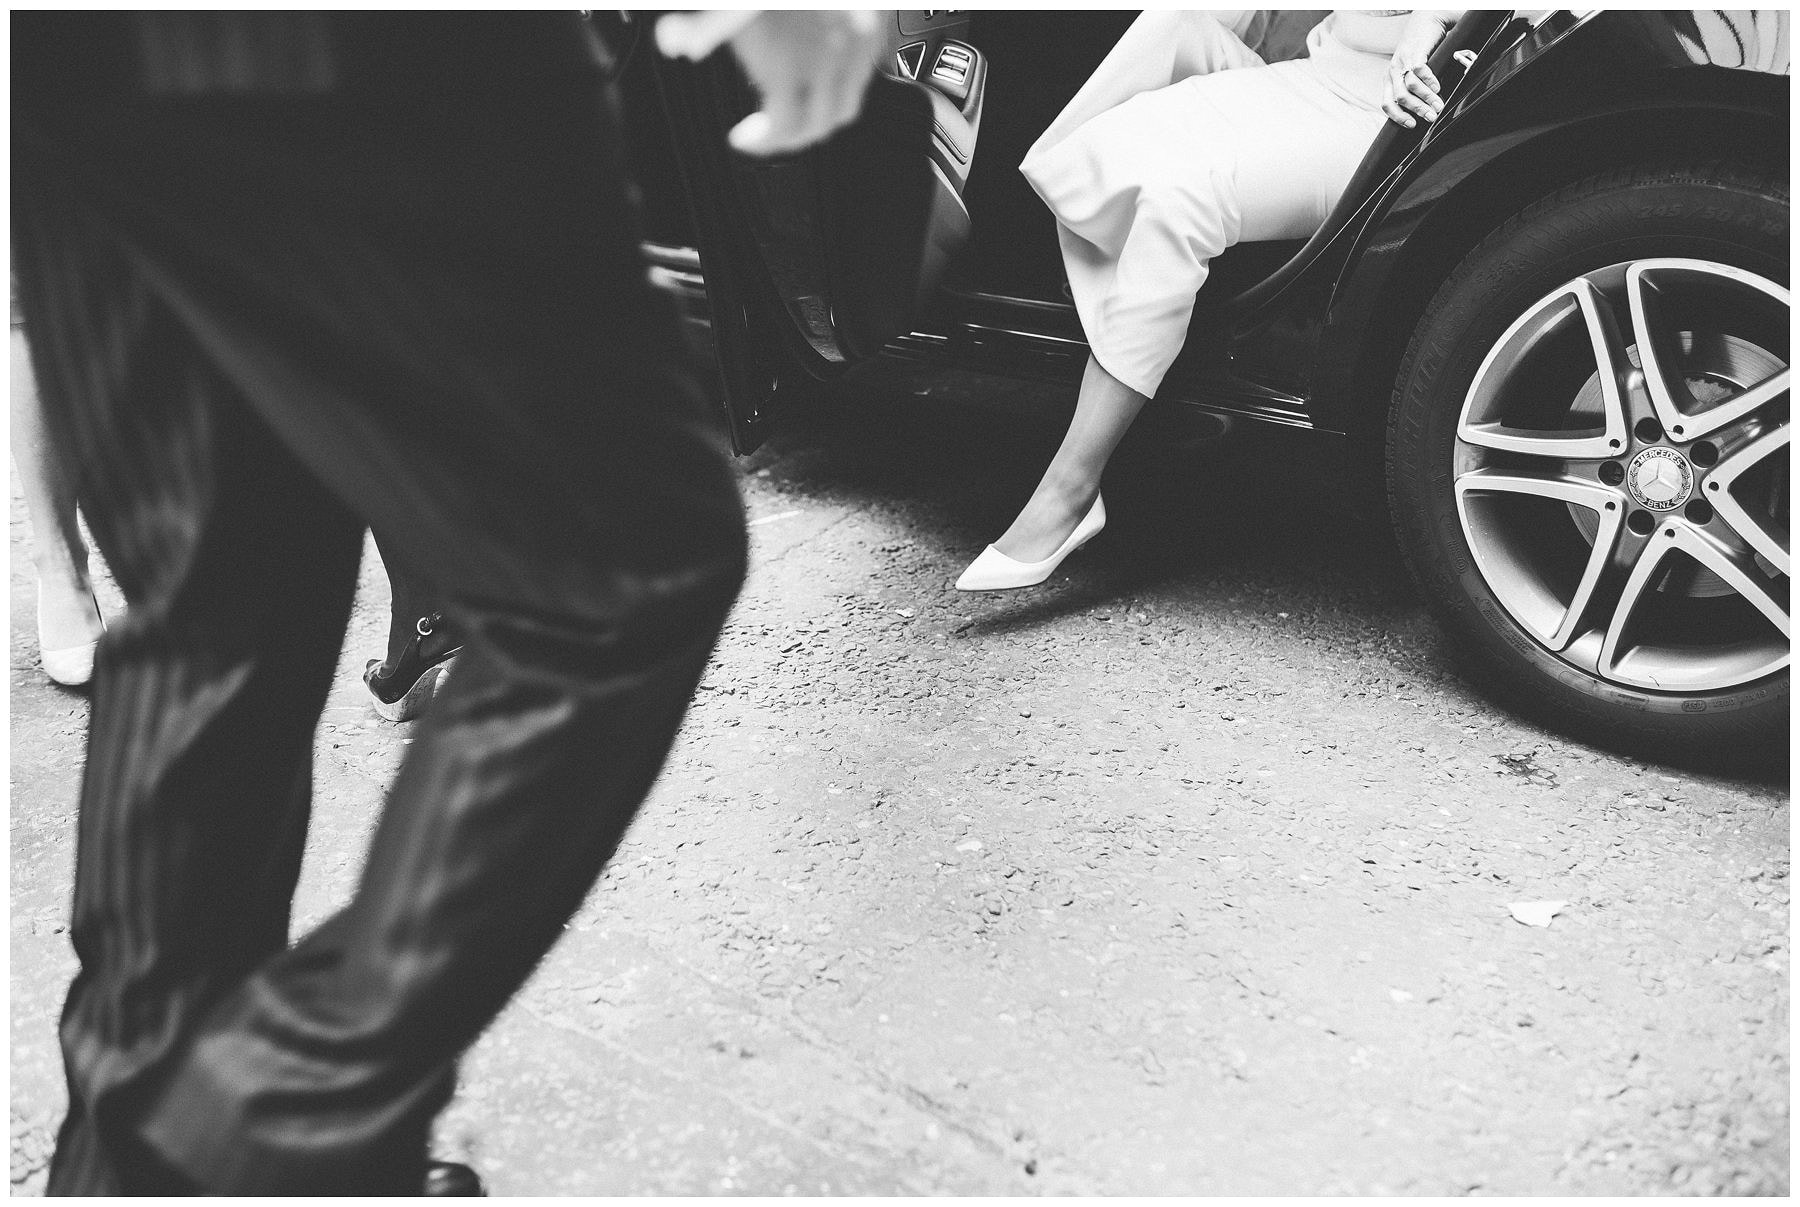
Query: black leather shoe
point(404, 687)
point(447, 1177)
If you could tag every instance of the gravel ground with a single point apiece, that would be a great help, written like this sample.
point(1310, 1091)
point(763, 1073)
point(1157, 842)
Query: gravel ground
point(1189, 872)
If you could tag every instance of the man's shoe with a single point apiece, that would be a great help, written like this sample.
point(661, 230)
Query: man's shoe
point(450, 1178)
point(403, 688)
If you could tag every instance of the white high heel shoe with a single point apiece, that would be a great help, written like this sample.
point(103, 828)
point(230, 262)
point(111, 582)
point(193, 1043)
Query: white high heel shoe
point(994, 571)
point(73, 665)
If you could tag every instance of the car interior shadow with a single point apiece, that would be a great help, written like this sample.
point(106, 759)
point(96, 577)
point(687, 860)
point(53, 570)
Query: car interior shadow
point(961, 453)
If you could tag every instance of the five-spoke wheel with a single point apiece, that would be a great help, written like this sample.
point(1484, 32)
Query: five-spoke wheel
point(1588, 459)
point(1621, 474)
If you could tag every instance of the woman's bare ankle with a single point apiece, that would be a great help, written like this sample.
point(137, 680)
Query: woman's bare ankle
point(1046, 522)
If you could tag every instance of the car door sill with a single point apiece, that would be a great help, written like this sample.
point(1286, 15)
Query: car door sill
point(972, 332)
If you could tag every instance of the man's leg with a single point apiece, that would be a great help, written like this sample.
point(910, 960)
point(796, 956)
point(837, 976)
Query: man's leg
point(239, 569)
point(436, 302)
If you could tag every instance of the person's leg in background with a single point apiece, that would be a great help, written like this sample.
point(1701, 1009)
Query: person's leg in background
point(68, 616)
point(422, 642)
point(451, 332)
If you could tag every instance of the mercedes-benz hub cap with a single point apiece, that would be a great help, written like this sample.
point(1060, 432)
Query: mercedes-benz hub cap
point(1660, 479)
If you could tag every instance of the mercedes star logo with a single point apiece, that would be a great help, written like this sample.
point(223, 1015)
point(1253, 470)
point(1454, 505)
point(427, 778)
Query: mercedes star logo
point(1660, 479)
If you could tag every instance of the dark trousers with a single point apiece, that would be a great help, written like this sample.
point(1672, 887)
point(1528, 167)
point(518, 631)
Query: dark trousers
point(287, 277)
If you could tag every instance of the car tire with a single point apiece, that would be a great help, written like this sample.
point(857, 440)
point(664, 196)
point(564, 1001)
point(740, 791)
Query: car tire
point(1582, 576)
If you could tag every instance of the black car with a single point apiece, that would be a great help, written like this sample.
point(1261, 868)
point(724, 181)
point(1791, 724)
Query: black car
point(1558, 317)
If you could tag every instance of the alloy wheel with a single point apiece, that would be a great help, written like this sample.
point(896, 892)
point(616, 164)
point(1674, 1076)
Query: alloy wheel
point(1620, 474)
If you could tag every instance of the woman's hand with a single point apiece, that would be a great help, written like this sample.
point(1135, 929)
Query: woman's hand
point(1412, 90)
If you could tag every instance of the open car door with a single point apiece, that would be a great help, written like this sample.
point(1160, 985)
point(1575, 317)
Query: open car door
point(814, 261)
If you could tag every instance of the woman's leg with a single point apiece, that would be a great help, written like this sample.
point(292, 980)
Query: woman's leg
point(1146, 195)
point(1160, 48)
point(421, 640)
point(1103, 412)
point(68, 617)
point(1143, 196)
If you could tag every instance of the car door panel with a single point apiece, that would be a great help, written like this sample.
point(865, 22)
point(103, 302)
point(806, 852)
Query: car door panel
point(1036, 62)
point(815, 261)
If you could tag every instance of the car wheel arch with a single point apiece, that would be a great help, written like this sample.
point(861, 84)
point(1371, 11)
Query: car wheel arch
point(1380, 294)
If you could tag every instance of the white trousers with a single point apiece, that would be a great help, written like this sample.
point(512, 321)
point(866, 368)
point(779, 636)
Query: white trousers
point(1183, 143)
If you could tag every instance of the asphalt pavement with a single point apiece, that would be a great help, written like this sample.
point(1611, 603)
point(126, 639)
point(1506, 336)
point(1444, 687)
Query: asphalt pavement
point(1192, 871)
